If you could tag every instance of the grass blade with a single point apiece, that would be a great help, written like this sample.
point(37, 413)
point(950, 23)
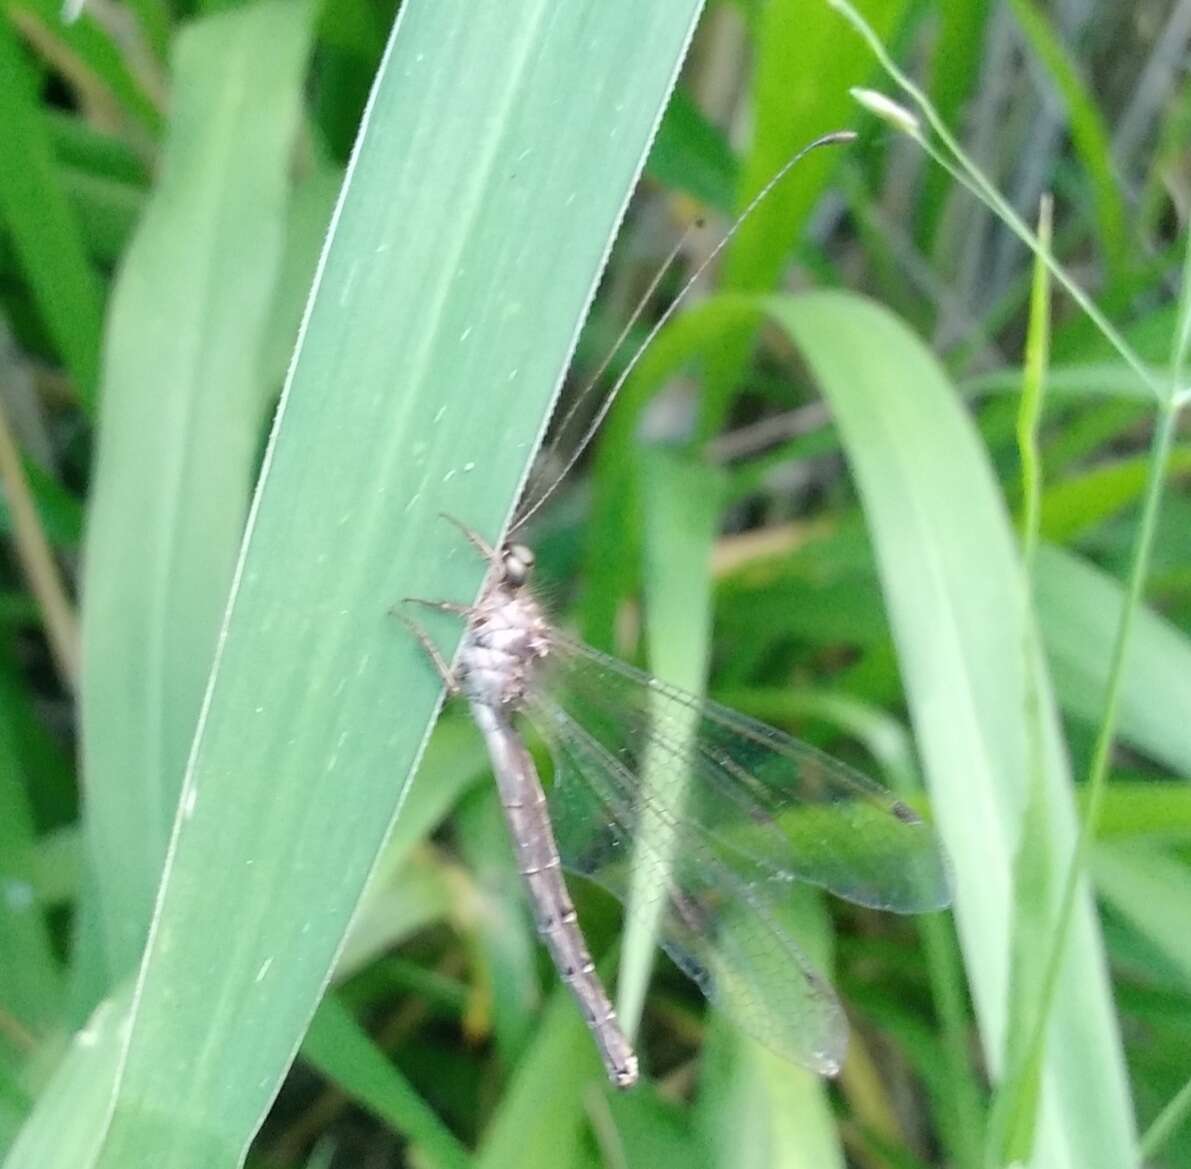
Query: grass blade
point(938, 526)
point(1014, 1112)
point(681, 516)
point(1078, 604)
point(342, 1051)
point(475, 217)
point(1151, 888)
point(66, 1122)
point(181, 416)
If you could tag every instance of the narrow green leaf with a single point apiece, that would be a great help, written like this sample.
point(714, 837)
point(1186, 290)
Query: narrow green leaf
point(1146, 807)
point(541, 1118)
point(1014, 1114)
point(30, 978)
point(1093, 379)
point(681, 520)
point(757, 1110)
point(690, 154)
point(494, 918)
point(43, 225)
point(338, 1047)
point(798, 46)
point(645, 1128)
point(179, 434)
point(1168, 1122)
point(475, 217)
point(1072, 508)
point(1032, 395)
point(81, 147)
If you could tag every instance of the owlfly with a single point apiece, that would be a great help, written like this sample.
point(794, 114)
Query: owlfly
point(714, 813)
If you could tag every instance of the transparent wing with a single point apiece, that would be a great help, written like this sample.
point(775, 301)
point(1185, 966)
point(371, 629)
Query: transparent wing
point(716, 814)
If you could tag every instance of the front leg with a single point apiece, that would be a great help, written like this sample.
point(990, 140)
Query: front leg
point(442, 606)
point(440, 664)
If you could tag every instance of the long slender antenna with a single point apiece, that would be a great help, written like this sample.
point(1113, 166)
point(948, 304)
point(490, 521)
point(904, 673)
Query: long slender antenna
point(638, 309)
point(832, 139)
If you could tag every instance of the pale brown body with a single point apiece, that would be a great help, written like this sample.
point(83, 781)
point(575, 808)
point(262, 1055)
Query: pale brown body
point(506, 639)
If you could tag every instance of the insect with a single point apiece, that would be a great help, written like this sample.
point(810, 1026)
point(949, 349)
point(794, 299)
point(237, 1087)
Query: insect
point(719, 812)
point(680, 807)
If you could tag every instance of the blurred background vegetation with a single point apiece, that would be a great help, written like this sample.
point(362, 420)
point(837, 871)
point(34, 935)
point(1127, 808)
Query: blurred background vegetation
point(168, 171)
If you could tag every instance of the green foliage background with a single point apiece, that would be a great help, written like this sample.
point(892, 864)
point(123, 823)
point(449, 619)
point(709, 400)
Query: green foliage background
point(899, 477)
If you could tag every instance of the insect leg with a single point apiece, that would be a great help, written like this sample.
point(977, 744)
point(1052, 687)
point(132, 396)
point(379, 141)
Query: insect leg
point(441, 665)
point(474, 538)
point(442, 606)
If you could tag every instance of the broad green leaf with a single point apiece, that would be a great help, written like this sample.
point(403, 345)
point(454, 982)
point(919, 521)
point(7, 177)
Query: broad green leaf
point(954, 594)
point(475, 218)
point(179, 437)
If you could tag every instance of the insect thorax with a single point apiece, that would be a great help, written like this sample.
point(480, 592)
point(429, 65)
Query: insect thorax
point(504, 643)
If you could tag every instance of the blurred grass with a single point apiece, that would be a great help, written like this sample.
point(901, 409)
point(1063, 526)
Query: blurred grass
point(925, 485)
point(180, 165)
point(682, 510)
point(42, 225)
point(1013, 1114)
point(1089, 133)
point(183, 406)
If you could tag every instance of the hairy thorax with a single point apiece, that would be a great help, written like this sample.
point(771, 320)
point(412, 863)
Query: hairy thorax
point(505, 641)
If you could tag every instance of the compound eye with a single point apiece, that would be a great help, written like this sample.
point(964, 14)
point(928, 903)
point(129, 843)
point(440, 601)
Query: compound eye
point(518, 560)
